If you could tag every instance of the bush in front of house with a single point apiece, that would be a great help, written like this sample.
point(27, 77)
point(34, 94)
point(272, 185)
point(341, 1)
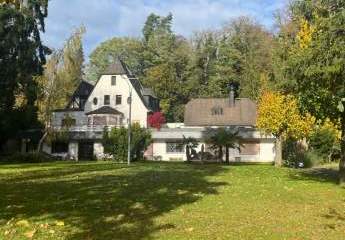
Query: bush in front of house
point(296, 155)
point(33, 157)
point(115, 142)
point(305, 159)
point(156, 120)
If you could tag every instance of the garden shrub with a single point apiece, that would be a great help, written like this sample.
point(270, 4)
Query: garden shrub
point(296, 155)
point(115, 142)
point(324, 140)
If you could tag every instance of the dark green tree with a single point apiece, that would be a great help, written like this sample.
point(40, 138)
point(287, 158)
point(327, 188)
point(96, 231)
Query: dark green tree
point(22, 56)
point(166, 62)
point(128, 49)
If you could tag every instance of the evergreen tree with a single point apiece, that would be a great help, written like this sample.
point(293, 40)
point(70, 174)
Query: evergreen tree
point(22, 56)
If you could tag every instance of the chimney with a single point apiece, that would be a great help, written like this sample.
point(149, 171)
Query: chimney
point(232, 96)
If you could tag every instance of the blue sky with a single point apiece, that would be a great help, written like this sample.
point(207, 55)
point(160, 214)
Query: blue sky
point(105, 19)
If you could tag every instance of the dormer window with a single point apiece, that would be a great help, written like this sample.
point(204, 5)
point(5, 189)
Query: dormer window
point(217, 111)
point(113, 80)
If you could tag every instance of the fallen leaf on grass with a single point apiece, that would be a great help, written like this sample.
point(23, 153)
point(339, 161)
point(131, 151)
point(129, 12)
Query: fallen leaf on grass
point(23, 223)
point(120, 217)
point(60, 223)
point(190, 229)
point(45, 225)
point(30, 234)
point(10, 221)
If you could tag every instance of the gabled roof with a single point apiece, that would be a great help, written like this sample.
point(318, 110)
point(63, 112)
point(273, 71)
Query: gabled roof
point(118, 67)
point(149, 92)
point(83, 91)
point(201, 112)
point(105, 110)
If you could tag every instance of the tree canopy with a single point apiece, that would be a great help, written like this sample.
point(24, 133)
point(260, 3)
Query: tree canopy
point(22, 56)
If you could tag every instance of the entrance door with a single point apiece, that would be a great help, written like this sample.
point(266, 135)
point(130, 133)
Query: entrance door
point(85, 151)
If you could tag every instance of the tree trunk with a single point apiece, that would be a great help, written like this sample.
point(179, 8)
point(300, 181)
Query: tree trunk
point(278, 161)
point(202, 153)
point(227, 156)
point(40, 143)
point(220, 154)
point(188, 153)
point(342, 157)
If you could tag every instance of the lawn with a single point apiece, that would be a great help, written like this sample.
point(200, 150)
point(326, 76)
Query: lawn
point(168, 201)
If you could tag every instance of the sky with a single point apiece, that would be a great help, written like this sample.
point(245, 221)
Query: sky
point(105, 19)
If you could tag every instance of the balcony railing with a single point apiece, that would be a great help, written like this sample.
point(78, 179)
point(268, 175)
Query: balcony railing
point(87, 128)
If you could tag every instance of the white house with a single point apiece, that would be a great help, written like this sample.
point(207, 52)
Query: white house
point(103, 105)
point(93, 107)
point(205, 113)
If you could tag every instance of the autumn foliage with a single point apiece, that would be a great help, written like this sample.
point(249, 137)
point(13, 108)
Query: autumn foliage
point(156, 120)
point(279, 115)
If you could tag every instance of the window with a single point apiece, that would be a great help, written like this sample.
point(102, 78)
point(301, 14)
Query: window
point(174, 147)
point(68, 122)
point(113, 80)
point(59, 147)
point(118, 100)
point(106, 99)
point(250, 148)
point(112, 120)
point(217, 111)
point(99, 120)
point(95, 101)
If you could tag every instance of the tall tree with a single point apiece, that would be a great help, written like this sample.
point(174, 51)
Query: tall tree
point(166, 62)
point(49, 98)
point(252, 45)
point(240, 52)
point(128, 49)
point(316, 61)
point(22, 56)
point(63, 71)
point(73, 62)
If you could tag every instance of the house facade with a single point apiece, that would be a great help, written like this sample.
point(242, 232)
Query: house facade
point(94, 107)
point(104, 105)
point(204, 114)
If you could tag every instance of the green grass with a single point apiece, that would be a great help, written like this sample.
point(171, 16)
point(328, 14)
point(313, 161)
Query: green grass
point(168, 201)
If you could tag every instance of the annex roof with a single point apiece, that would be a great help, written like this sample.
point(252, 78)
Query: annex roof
point(218, 112)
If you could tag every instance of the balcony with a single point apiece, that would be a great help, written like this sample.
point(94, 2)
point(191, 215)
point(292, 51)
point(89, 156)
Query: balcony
point(87, 128)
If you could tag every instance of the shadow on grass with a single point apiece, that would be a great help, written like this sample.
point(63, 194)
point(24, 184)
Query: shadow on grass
point(57, 169)
point(108, 201)
point(335, 218)
point(317, 174)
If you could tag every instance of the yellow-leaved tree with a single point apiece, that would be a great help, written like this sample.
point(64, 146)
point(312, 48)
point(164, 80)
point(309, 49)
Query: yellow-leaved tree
point(305, 34)
point(279, 115)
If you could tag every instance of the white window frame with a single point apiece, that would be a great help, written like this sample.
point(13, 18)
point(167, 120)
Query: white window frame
point(174, 147)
